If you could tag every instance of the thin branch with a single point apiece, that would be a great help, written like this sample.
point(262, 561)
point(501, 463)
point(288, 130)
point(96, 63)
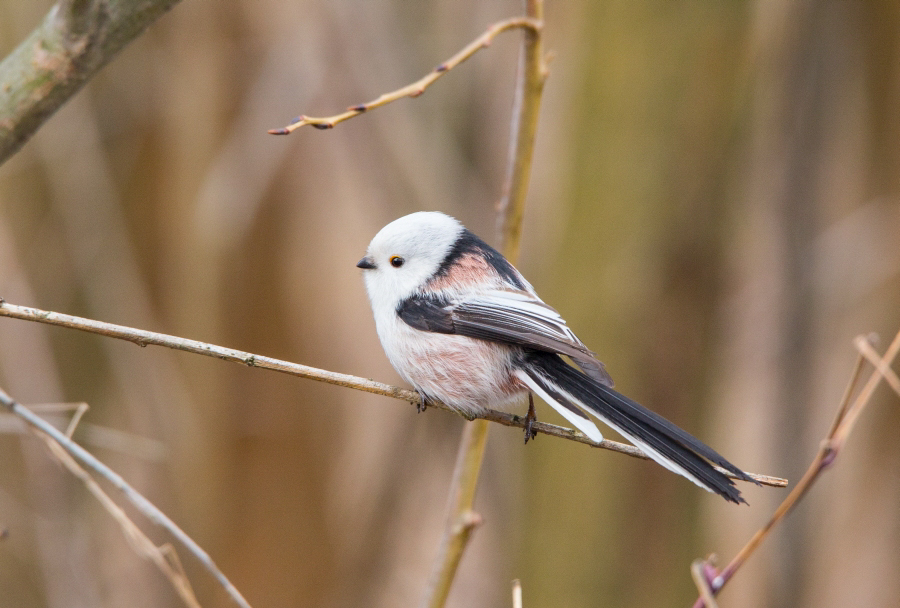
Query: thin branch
point(165, 561)
point(145, 338)
point(701, 580)
point(451, 552)
point(136, 498)
point(461, 519)
point(853, 412)
point(864, 346)
point(75, 40)
point(93, 435)
point(417, 88)
point(523, 130)
point(848, 414)
point(532, 73)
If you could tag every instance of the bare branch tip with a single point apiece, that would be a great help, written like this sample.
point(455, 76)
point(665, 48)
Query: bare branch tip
point(281, 131)
point(471, 519)
point(866, 340)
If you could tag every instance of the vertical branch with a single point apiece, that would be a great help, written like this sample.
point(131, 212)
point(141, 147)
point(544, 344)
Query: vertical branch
point(526, 110)
point(511, 210)
point(462, 519)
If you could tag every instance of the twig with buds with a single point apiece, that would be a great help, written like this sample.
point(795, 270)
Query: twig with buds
point(418, 87)
point(847, 415)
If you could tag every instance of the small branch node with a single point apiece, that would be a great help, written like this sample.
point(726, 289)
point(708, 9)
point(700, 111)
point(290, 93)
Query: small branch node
point(830, 451)
point(468, 521)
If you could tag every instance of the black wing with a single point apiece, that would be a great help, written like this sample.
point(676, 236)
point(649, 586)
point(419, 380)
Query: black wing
point(507, 316)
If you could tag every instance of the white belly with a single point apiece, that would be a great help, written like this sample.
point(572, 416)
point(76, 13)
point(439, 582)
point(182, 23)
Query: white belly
point(467, 374)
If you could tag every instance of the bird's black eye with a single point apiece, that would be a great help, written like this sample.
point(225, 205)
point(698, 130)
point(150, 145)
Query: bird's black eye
point(397, 261)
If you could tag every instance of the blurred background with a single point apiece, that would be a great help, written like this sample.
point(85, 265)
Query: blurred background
point(713, 207)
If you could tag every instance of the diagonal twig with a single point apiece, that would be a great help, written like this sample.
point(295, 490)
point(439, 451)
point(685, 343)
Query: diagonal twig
point(864, 346)
point(166, 561)
point(848, 414)
point(136, 498)
point(418, 87)
point(143, 337)
point(699, 569)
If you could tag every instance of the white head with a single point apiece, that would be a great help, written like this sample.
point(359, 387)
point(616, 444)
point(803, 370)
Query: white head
point(406, 253)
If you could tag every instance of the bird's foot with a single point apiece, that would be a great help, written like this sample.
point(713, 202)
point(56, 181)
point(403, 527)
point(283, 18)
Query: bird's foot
point(422, 405)
point(530, 419)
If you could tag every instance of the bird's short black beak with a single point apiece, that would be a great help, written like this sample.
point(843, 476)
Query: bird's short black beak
point(366, 263)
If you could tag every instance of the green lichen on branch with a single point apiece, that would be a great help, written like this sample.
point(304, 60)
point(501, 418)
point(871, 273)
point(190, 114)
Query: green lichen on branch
point(73, 42)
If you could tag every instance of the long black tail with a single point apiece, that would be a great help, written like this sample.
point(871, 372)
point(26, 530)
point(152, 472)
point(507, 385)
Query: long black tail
point(667, 444)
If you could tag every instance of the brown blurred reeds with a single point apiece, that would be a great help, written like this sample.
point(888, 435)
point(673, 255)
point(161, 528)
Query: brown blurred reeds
point(713, 206)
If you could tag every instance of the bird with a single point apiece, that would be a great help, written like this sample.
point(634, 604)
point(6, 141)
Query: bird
point(463, 327)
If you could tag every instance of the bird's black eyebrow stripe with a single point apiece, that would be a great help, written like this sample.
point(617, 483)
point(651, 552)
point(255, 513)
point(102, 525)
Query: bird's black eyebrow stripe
point(469, 243)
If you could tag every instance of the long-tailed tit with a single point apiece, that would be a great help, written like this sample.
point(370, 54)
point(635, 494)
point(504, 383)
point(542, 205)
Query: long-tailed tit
point(461, 325)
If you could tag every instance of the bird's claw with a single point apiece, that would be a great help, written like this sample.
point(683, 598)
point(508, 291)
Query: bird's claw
point(530, 419)
point(422, 405)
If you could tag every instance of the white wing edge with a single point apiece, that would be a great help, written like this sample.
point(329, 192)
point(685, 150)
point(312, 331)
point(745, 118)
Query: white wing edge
point(526, 304)
point(582, 424)
point(590, 429)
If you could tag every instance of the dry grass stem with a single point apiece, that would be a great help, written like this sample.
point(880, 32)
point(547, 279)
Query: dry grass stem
point(417, 88)
point(164, 557)
point(847, 415)
point(150, 510)
point(144, 338)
